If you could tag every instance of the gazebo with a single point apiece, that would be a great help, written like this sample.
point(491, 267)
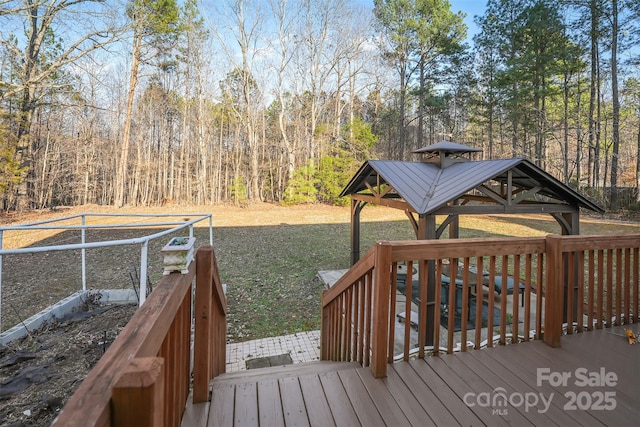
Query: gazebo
point(447, 182)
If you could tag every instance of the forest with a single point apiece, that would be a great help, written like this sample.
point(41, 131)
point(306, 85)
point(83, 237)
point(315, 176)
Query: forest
point(147, 102)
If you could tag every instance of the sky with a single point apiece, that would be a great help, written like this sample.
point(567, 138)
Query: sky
point(471, 8)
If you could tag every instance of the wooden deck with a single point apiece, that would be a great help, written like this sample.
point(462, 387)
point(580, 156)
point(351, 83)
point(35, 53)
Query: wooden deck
point(481, 387)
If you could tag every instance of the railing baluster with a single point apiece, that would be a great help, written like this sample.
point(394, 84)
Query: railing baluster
point(503, 299)
point(580, 302)
point(540, 287)
point(618, 285)
point(492, 278)
point(610, 290)
point(392, 312)
point(422, 311)
point(570, 280)
point(601, 284)
point(362, 312)
point(479, 280)
point(367, 319)
point(515, 300)
point(353, 340)
point(451, 310)
point(627, 283)
point(636, 283)
point(527, 295)
point(591, 289)
point(437, 309)
point(407, 310)
point(465, 302)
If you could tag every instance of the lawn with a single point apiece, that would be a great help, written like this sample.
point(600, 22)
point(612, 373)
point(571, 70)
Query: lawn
point(268, 256)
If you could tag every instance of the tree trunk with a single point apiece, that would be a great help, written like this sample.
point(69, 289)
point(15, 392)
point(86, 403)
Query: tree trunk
point(121, 176)
point(616, 106)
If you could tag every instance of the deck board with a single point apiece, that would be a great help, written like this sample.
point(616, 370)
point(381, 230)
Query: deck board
point(519, 362)
point(293, 408)
point(552, 416)
point(413, 410)
point(316, 401)
point(362, 404)
point(270, 403)
point(437, 413)
point(480, 381)
point(383, 399)
point(246, 414)
point(222, 406)
point(432, 391)
point(341, 408)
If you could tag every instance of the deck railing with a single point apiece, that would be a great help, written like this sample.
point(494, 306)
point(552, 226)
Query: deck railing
point(144, 376)
point(504, 290)
point(594, 281)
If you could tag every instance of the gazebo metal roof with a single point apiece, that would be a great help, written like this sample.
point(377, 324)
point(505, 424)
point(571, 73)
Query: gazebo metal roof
point(447, 182)
point(426, 187)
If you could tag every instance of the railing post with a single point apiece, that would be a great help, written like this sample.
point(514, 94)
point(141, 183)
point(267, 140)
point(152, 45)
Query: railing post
point(144, 251)
point(554, 295)
point(138, 395)
point(210, 229)
point(83, 251)
point(203, 324)
point(380, 326)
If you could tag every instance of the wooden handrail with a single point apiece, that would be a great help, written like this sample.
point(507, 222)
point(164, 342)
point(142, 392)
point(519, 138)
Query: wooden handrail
point(156, 341)
point(577, 277)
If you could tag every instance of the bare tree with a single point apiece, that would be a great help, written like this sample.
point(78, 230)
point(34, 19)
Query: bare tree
point(285, 19)
point(242, 27)
point(155, 27)
point(49, 45)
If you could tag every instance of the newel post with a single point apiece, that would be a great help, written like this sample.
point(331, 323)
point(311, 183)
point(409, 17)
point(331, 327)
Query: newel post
point(554, 295)
point(137, 398)
point(204, 329)
point(381, 301)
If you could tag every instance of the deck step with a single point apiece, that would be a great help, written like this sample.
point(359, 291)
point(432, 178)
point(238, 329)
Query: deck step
point(276, 372)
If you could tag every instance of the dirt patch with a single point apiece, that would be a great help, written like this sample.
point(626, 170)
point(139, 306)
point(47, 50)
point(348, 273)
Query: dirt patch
point(39, 372)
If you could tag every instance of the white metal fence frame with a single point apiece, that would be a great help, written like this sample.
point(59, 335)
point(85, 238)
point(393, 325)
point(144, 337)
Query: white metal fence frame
point(83, 246)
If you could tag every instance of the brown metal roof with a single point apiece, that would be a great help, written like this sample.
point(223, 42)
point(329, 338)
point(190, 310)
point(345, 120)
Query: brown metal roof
point(426, 187)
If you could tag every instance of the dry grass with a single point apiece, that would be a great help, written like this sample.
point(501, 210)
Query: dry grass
point(268, 255)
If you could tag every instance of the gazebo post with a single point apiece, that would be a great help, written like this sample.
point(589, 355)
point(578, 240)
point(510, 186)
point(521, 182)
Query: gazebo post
point(427, 230)
point(356, 208)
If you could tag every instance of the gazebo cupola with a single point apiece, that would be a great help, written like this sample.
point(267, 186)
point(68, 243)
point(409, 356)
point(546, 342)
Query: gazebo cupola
point(446, 153)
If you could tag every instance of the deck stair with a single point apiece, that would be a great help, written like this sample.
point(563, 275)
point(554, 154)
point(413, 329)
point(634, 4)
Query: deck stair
point(284, 395)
